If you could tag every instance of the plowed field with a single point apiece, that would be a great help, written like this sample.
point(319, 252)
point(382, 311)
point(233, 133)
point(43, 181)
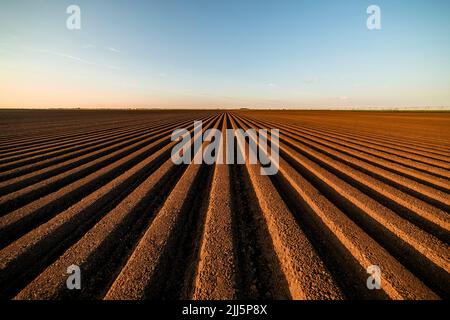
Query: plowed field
point(98, 189)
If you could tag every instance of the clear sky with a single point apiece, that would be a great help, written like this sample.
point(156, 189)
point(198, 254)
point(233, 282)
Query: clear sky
point(224, 53)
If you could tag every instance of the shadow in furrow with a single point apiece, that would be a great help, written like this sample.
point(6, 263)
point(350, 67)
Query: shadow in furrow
point(346, 271)
point(433, 276)
point(107, 261)
point(30, 264)
point(175, 273)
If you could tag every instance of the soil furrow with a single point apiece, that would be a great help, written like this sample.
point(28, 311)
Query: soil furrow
point(24, 219)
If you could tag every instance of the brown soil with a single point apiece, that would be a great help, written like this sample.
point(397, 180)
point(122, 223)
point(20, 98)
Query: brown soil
point(98, 189)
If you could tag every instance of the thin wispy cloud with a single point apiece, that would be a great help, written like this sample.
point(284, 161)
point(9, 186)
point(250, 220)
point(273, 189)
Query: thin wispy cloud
point(75, 58)
point(88, 46)
point(63, 55)
point(93, 46)
point(113, 49)
point(311, 80)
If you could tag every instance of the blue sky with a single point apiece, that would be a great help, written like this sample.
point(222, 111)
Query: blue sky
point(217, 53)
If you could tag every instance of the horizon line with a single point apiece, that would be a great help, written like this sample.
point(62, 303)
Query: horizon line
point(442, 108)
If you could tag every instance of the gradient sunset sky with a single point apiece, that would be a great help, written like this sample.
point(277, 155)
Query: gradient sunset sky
point(224, 53)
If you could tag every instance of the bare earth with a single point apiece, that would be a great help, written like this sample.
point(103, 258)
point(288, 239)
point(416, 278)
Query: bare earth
point(98, 189)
